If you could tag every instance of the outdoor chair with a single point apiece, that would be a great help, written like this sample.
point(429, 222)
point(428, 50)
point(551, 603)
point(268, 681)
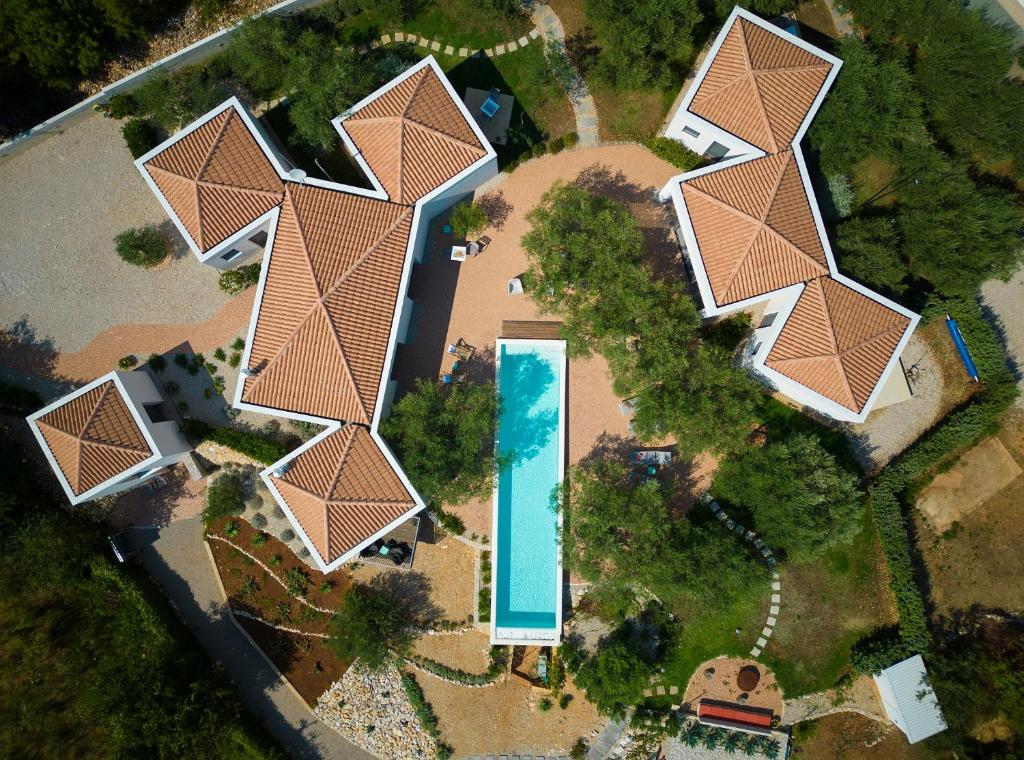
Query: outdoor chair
point(450, 379)
point(482, 243)
point(461, 349)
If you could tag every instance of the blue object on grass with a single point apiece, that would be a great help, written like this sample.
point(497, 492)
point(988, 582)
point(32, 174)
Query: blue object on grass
point(961, 348)
point(491, 105)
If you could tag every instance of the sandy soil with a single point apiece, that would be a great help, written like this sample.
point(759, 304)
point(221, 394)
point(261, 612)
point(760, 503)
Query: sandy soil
point(467, 651)
point(722, 685)
point(854, 737)
point(976, 477)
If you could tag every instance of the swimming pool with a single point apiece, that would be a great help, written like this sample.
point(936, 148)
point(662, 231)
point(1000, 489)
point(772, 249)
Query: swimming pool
point(526, 604)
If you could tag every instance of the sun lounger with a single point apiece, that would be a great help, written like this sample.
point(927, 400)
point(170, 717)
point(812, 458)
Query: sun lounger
point(461, 349)
point(652, 457)
point(449, 379)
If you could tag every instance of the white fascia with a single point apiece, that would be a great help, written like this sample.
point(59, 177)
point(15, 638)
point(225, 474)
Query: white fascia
point(89, 495)
point(257, 134)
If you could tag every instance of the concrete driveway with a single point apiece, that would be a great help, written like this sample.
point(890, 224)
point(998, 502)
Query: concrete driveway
point(176, 559)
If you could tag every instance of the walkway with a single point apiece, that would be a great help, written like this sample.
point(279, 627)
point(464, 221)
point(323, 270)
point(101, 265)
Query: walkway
point(438, 46)
point(176, 559)
point(583, 105)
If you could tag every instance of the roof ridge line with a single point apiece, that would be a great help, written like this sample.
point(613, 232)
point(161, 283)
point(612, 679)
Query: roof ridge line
point(835, 341)
point(361, 259)
point(415, 92)
point(870, 339)
point(445, 135)
point(789, 69)
point(341, 462)
point(760, 96)
point(202, 168)
point(117, 446)
point(344, 357)
point(238, 188)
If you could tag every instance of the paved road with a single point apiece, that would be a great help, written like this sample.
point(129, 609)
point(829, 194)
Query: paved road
point(176, 559)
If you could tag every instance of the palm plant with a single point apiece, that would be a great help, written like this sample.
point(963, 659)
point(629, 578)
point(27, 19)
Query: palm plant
point(713, 738)
point(693, 734)
point(771, 748)
point(249, 588)
point(752, 745)
point(232, 529)
point(732, 742)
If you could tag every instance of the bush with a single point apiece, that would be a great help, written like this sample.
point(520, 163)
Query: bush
point(326, 587)
point(252, 445)
point(120, 106)
point(564, 700)
point(453, 674)
point(295, 581)
point(238, 344)
point(545, 704)
point(224, 498)
point(234, 281)
point(275, 561)
point(259, 539)
point(232, 528)
point(219, 354)
point(287, 535)
point(483, 604)
point(468, 219)
point(675, 153)
point(451, 523)
point(420, 705)
point(259, 521)
point(235, 360)
point(126, 362)
point(140, 136)
point(370, 627)
point(143, 247)
point(157, 362)
point(181, 360)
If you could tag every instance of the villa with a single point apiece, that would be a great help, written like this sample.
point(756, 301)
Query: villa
point(752, 233)
point(109, 436)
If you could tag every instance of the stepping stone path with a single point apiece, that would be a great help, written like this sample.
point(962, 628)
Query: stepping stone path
point(769, 558)
point(436, 46)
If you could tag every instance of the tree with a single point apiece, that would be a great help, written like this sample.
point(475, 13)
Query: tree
point(444, 437)
point(468, 219)
point(869, 252)
point(369, 627)
point(224, 497)
point(140, 136)
point(174, 100)
point(800, 498)
point(143, 247)
point(623, 538)
point(614, 678)
point(643, 43)
point(260, 52)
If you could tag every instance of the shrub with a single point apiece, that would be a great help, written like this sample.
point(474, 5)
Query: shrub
point(259, 521)
point(119, 106)
point(252, 445)
point(571, 139)
point(127, 362)
point(579, 750)
point(675, 153)
point(260, 539)
point(295, 581)
point(483, 604)
point(181, 360)
point(211, 368)
point(451, 523)
point(468, 219)
point(370, 627)
point(224, 497)
point(140, 136)
point(275, 561)
point(235, 281)
point(219, 383)
point(287, 535)
point(157, 362)
point(326, 587)
point(235, 360)
point(238, 344)
point(143, 247)
point(453, 674)
point(232, 528)
point(250, 587)
point(219, 354)
point(420, 705)
point(545, 704)
point(564, 700)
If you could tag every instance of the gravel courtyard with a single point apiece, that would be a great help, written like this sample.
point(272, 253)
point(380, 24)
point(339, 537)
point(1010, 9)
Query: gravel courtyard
point(63, 201)
point(1006, 300)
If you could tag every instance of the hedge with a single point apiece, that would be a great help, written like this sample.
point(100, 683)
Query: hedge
point(675, 153)
point(419, 702)
point(251, 444)
point(893, 490)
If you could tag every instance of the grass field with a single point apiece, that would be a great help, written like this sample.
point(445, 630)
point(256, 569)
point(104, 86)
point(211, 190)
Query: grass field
point(459, 23)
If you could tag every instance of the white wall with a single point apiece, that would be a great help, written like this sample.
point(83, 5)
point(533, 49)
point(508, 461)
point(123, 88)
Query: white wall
point(248, 249)
point(139, 386)
point(449, 198)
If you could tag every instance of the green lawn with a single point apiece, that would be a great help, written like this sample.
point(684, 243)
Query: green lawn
point(827, 606)
point(460, 23)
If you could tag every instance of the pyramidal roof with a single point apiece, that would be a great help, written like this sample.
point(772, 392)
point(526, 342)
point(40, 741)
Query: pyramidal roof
point(324, 323)
point(414, 137)
point(343, 490)
point(216, 178)
point(759, 86)
point(93, 437)
point(837, 342)
point(755, 227)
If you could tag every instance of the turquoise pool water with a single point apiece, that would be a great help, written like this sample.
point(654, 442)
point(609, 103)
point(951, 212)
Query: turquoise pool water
point(526, 556)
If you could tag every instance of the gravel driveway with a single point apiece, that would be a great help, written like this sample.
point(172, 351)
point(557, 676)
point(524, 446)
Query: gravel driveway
point(1006, 300)
point(61, 203)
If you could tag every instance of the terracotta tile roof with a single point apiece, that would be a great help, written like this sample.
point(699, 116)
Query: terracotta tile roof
point(837, 342)
point(217, 179)
point(754, 227)
point(94, 437)
point(414, 137)
point(759, 86)
point(342, 491)
point(324, 323)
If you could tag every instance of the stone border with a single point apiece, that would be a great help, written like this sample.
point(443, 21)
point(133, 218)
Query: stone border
point(250, 616)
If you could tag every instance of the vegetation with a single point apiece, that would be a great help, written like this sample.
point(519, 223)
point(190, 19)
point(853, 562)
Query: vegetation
point(18, 401)
point(143, 247)
point(586, 265)
point(370, 627)
point(234, 281)
point(468, 219)
point(224, 497)
point(424, 711)
point(140, 136)
point(94, 663)
point(444, 437)
point(675, 153)
point(800, 498)
point(244, 442)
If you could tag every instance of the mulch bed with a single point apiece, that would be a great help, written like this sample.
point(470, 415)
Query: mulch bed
point(305, 661)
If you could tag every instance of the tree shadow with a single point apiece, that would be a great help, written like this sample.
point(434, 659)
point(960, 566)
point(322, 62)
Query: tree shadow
point(524, 428)
point(496, 207)
point(140, 507)
point(169, 232)
point(583, 51)
point(996, 321)
point(411, 592)
point(31, 360)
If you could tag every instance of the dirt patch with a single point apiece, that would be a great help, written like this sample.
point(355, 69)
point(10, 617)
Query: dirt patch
point(504, 718)
point(466, 651)
point(722, 684)
point(444, 570)
point(977, 560)
point(854, 737)
point(976, 477)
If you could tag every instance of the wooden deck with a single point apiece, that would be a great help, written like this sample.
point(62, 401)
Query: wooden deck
point(535, 330)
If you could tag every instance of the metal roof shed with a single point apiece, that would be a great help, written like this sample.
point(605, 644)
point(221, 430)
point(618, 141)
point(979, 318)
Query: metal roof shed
point(909, 700)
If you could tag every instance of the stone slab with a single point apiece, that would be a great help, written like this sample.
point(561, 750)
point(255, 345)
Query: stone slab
point(776, 599)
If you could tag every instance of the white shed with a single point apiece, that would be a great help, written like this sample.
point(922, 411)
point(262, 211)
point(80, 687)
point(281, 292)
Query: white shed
point(909, 700)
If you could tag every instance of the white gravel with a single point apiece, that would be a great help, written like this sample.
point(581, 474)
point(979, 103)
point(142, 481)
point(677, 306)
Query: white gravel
point(1006, 300)
point(62, 201)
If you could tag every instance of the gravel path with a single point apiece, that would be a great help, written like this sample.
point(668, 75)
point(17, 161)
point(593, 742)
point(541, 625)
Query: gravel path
point(64, 200)
point(1006, 300)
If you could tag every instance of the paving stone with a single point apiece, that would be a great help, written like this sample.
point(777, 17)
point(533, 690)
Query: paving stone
point(774, 610)
point(776, 586)
point(755, 652)
point(776, 599)
point(524, 41)
point(534, 33)
point(435, 46)
point(489, 52)
point(771, 621)
point(512, 47)
point(775, 576)
point(648, 693)
point(424, 42)
point(463, 52)
point(399, 36)
point(499, 50)
point(386, 39)
point(673, 690)
point(766, 631)
point(660, 691)
point(449, 50)
point(762, 641)
point(589, 121)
